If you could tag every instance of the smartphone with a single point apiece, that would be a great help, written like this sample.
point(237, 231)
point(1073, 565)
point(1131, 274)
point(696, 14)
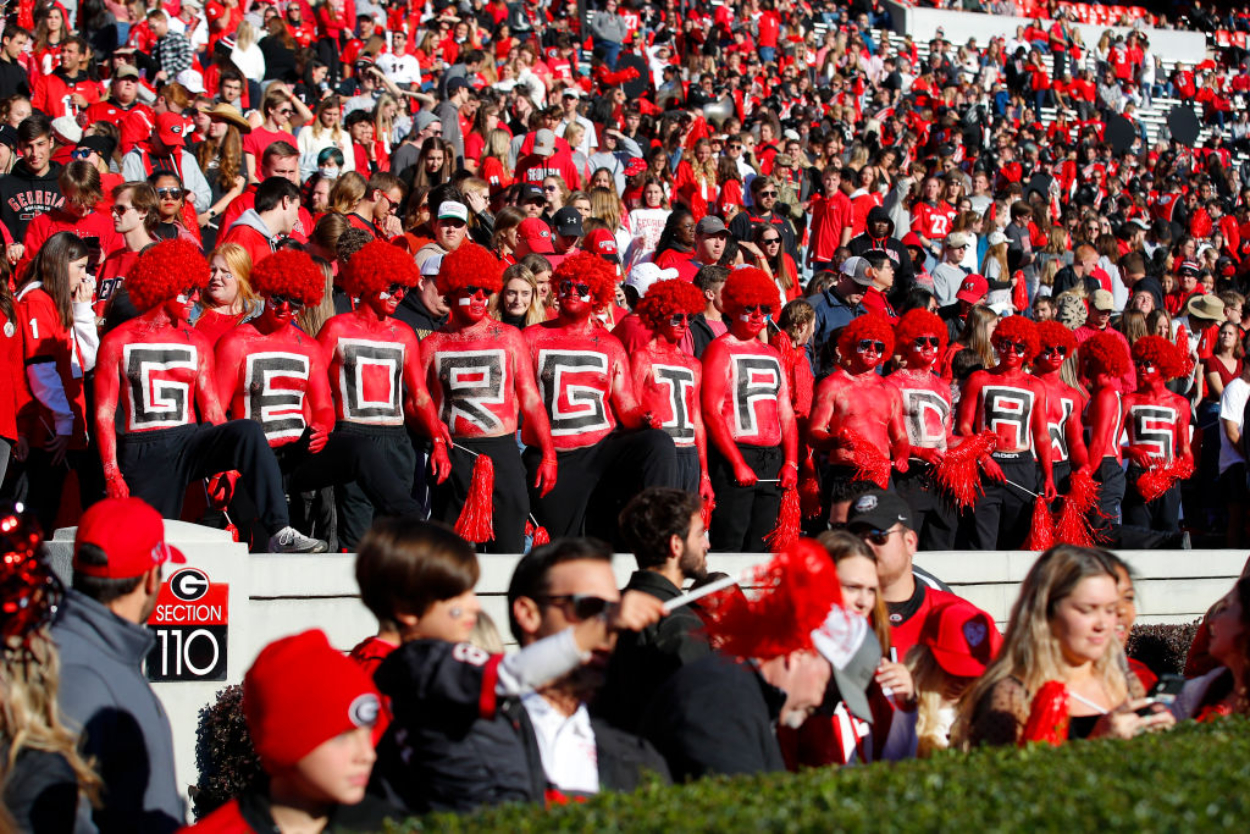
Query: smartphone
point(1163, 693)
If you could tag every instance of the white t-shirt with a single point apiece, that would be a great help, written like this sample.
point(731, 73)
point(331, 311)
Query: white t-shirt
point(566, 745)
point(402, 69)
point(1232, 408)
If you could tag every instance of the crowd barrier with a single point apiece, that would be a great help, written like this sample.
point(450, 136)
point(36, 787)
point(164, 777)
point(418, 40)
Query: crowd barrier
point(922, 24)
point(217, 611)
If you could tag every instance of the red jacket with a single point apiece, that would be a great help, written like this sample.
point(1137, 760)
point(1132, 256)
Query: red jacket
point(51, 93)
point(256, 244)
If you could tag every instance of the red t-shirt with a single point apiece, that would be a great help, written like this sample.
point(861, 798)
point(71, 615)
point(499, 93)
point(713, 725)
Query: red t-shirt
point(260, 138)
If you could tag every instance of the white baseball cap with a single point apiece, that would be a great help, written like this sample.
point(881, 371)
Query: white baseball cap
point(643, 275)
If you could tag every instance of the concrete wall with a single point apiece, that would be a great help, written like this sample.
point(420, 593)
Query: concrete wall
point(271, 596)
point(922, 25)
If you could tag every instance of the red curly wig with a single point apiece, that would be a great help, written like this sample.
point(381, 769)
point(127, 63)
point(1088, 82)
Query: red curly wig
point(916, 323)
point(1105, 353)
point(470, 265)
point(290, 273)
point(748, 287)
point(592, 270)
point(873, 326)
point(376, 266)
point(164, 271)
point(1018, 329)
point(666, 298)
point(1054, 334)
point(1163, 354)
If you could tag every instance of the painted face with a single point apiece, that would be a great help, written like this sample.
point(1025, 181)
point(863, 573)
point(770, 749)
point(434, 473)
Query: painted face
point(1010, 353)
point(574, 297)
point(281, 309)
point(674, 328)
point(922, 352)
point(179, 307)
point(385, 302)
point(1050, 358)
point(866, 354)
point(1147, 371)
point(749, 321)
point(468, 305)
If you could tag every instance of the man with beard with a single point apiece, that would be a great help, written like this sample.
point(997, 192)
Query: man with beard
point(664, 530)
point(554, 588)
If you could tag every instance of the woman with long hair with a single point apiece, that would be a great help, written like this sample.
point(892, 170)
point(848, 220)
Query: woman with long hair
point(1224, 690)
point(495, 168)
point(12, 375)
point(996, 272)
point(976, 335)
point(278, 48)
point(504, 237)
point(648, 221)
point(606, 205)
point(518, 303)
point(696, 180)
point(348, 191)
point(385, 117)
point(51, 30)
point(1061, 635)
point(435, 163)
point(730, 200)
point(557, 193)
point(780, 265)
point(325, 131)
point(485, 122)
point(220, 157)
point(49, 783)
point(171, 200)
point(60, 336)
point(228, 300)
point(677, 239)
point(541, 269)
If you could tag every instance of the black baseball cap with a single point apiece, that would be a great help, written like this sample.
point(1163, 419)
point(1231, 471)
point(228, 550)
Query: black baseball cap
point(568, 222)
point(880, 509)
point(530, 192)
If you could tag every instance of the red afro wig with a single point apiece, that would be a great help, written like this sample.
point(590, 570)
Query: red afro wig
point(1054, 334)
point(470, 266)
point(592, 270)
point(290, 273)
point(873, 326)
point(1105, 353)
point(1162, 354)
point(376, 266)
point(667, 298)
point(1018, 329)
point(917, 323)
point(749, 287)
point(164, 271)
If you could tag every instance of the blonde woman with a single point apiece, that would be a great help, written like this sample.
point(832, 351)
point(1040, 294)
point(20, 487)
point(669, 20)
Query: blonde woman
point(518, 303)
point(325, 131)
point(1062, 630)
point(228, 300)
point(495, 168)
point(994, 270)
point(48, 784)
point(606, 205)
point(384, 117)
point(311, 319)
point(347, 193)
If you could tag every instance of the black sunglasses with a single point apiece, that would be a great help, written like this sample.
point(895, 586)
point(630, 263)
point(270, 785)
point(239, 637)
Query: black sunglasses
point(1057, 350)
point(927, 341)
point(768, 193)
point(769, 241)
point(169, 193)
point(1020, 348)
point(873, 535)
point(763, 308)
point(866, 345)
point(678, 318)
point(582, 289)
point(396, 289)
point(582, 606)
point(279, 300)
point(475, 290)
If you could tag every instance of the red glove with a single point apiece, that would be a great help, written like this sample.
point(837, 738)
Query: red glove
point(221, 489)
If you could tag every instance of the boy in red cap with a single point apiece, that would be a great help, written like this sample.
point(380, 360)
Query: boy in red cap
point(310, 712)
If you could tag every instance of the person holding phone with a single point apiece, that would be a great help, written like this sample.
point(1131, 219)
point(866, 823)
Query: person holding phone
point(1222, 691)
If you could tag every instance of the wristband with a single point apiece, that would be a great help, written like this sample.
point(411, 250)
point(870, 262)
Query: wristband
point(792, 463)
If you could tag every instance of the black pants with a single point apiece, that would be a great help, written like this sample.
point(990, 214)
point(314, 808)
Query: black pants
point(612, 471)
point(158, 466)
point(510, 498)
point(689, 473)
point(1110, 475)
point(1003, 514)
point(45, 482)
point(744, 515)
point(934, 517)
point(355, 509)
point(1161, 514)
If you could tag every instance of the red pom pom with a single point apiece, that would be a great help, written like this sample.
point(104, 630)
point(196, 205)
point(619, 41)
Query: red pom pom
point(668, 298)
point(916, 323)
point(376, 266)
point(959, 473)
point(874, 327)
point(1040, 527)
point(290, 273)
point(1162, 354)
point(869, 462)
point(1081, 501)
point(809, 495)
point(748, 287)
point(709, 507)
point(1018, 329)
point(592, 270)
point(1159, 479)
point(1105, 353)
point(163, 271)
point(470, 266)
point(538, 534)
point(477, 518)
point(1048, 716)
point(786, 532)
point(1054, 334)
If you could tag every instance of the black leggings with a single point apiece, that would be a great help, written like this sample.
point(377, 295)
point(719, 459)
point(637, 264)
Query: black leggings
point(510, 497)
point(1004, 513)
point(393, 451)
point(744, 515)
point(158, 465)
point(612, 470)
point(46, 482)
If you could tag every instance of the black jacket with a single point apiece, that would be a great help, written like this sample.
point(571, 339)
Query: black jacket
point(904, 271)
point(414, 314)
point(13, 79)
point(24, 196)
point(702, 334)
point(716, 715)
point(1066, 279)
point(643, 660)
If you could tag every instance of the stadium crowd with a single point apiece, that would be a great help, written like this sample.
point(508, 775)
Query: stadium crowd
point(315, 275)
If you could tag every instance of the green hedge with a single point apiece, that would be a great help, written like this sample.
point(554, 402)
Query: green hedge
point(1195, 778)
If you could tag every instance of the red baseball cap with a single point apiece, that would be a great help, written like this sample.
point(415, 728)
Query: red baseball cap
point(973, 289)
point(912, 239)
point(131, 534)
point(602, 243)
point(962, 637)
point(171, 129)
point(537, 235)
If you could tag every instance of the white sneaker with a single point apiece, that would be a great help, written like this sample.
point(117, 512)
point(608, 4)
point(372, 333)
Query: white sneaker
point(290, 540)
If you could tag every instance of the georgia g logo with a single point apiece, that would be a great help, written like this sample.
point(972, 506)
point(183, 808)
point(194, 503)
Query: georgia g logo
point(158, 376)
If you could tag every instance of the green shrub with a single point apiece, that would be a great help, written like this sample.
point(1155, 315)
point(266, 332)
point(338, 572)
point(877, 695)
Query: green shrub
point(1191, 779)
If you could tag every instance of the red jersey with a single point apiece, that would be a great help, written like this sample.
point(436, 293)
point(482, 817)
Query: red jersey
point(933, 222)
point(907, 618)
point(112, 275)
point(54, 368)
point(95, 230)
point(830, 215)
point(576, 374)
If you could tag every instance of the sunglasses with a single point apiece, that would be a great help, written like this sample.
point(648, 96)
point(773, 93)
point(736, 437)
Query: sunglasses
point(169, 193)
point(735, 147)
point(284, 111)
point(1019, 348)
point(582, 606)
point(866, 345)
point(926, 341)
point(279, 300)
point(763, 308)
point(471, 291)
point(872, 535)
point(119, 209)
point(770, 241)
point(396, 289)
point(581, 289)
point(678, 319)
point(768, 193)
point(1055, 350)
point(81, 154)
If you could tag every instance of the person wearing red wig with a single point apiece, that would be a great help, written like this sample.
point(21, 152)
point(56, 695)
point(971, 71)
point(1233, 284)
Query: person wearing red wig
point(669, 381)
point(376, 378)
point(921, 338)
point(857, 412)
point(1157, 422)
point(597, 424)
point(270, 371)
point(754, 451)
point(1104, 361)
point(1064, 404)
point(1012, 404)
point(476, 371)
point(158, 420)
